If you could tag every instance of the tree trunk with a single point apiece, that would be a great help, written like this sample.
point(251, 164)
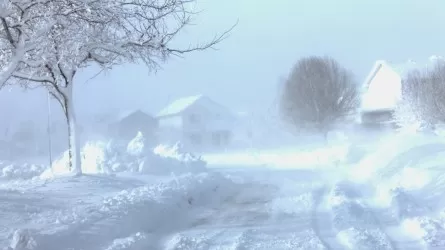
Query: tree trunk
point(73, 139)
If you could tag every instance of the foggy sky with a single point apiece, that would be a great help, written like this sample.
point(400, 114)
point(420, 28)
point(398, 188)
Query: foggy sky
point(244, 72)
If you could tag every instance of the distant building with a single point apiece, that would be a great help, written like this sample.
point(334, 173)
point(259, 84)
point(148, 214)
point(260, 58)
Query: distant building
point(126, 126)
point(198, 122)
point(382, 91)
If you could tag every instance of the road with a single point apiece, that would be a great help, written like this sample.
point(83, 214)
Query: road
point(291, 209)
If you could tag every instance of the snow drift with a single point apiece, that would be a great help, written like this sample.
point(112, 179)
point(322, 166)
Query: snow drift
point(401, 182)
point(144, 214)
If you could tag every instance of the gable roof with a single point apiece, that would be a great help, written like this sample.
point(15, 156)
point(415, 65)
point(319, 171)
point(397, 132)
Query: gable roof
point(375, 69)
point(402, 69)
point(178, 106)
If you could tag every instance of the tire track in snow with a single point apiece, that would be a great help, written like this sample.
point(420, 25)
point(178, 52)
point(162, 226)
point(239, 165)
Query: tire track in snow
point(254, 220)
point(322, 220)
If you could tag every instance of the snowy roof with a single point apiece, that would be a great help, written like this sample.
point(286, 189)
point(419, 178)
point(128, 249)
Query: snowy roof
point(402, 69)
point(382, 87)
point(378, 64)
point(179, 105)
point(124, 114)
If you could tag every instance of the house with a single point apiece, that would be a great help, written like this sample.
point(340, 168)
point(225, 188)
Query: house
point(126, 126)
point(382, 91)
point(198, 122)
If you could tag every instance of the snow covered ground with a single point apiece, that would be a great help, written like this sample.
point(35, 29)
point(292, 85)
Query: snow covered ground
point(279, 158)
point(387, 197)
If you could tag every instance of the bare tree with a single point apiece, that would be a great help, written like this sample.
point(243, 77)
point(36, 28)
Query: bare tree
point(107, 33)
point(317, 94)
point(423, 101)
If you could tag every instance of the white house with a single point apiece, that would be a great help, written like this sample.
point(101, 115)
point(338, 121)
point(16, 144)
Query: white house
point(382, 90)
point(198, 122)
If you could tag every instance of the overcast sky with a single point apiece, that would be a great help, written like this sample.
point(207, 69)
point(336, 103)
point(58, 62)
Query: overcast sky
point(270, 37)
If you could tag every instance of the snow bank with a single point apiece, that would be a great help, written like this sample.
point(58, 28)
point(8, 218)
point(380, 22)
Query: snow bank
point(159, 208)
point(106, 158)
point(402, 162)
point(21, 171)
point(400, 182)
point(22, 240)
point(189, 190)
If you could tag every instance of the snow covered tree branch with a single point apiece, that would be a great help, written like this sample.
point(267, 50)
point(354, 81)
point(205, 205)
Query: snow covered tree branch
point(23, 28)
point(102, 32)
point(317, 94)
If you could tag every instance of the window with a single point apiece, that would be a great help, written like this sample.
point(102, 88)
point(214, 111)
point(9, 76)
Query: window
point(221, 138)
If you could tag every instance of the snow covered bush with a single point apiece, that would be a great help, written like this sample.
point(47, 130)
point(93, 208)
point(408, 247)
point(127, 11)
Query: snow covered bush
point(423, 103)
point(94, 157)
point(107, 158)
point(136, 146)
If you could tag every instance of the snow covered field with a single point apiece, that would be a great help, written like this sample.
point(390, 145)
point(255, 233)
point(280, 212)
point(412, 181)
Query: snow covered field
point(387, 198)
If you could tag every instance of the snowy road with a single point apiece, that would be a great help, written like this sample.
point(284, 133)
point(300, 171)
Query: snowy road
point(268, 209)
point(286, 209)
point(227, 208)
point(272, 211)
